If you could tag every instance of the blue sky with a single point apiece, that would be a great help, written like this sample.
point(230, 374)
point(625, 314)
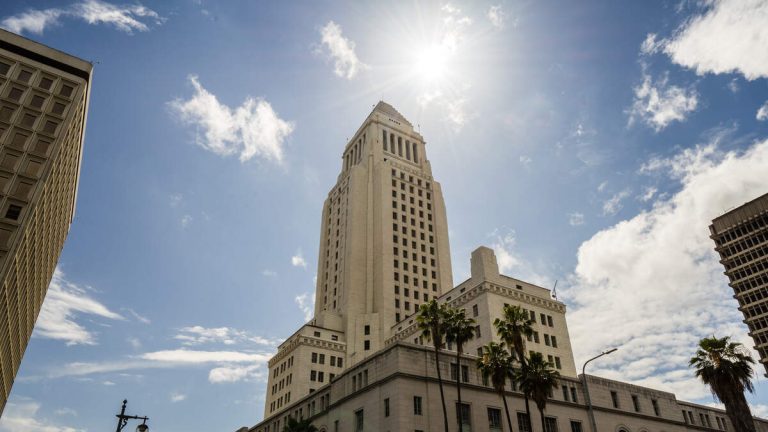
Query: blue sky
point(588, 145)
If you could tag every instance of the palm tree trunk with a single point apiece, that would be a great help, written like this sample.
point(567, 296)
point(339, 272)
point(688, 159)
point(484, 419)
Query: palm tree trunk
point(440, 383)
point(738, 412)
point(506, 409)
point(520, 350)
point(528, 412)
point(458, 382)
point(543, 423)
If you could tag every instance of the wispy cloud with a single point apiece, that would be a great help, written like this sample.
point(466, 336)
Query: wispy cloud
point(268, 273)
point(575, 219)
point(298, 260)
point(140, 318)
point(613, 205)
point(342, 51)
point(306, 303)
point(659, 103)
point(251, 130)
point(22, 415)
point(648, 193)
point(126, 18)
point(177, 397)
point(511, 262)
point(63, 303)
point(661, 263)
point(729, 36)
point(525, 160)
point(762, 112)
point(199, 335)
point(496, 16)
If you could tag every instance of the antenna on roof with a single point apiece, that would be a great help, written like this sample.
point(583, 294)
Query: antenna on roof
point(554, 291)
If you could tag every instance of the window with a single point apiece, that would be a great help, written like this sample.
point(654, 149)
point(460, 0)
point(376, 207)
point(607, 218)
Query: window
point(574, 398)
point(536, 337)
point(317, 334)
point(333, 360)
point(615, 399)
point(554, 342)
point(636, 403)
point(314, 357)
point(367, 330)
point(546, 339)
point(322, 359)
point(464, 373)
point(313, 375)
point(565, 393)
point(550, 424)
point(417, 405)
point(338, 362)
point(320, 376)
point(523, 422)
point(494, 418)
point(543, 318)
point(454, 372)
point(367, 345)
point(655, 404)
point(576, 426)
point(557, 363)
point(685, 417)
point(549, 321)
point(13, 212)
point(477, 331)
point(386, 407)
point(359, 421)
point(463, 416)
point(474, 310)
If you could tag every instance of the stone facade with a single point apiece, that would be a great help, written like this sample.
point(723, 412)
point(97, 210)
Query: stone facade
point(361, 363)
point(741, 239)
point(43, 107)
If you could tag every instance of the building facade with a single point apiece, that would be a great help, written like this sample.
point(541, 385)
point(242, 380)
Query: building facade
point(741, 239)
point(361, 363)
point(43, 108)
point(383, 252)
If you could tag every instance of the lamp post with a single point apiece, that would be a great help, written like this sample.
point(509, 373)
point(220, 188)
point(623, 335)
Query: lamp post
point(122, 420)
point(592, 423)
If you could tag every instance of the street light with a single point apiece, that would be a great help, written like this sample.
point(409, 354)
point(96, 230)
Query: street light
point(122, 420)
point(592, 423)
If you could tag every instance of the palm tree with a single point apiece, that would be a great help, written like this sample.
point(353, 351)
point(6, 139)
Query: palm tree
point(512, 328)
point(496, 364)
point(293, 425)
point(459, 330)
point(726, 368)
point(537, 380)
point(431, 320)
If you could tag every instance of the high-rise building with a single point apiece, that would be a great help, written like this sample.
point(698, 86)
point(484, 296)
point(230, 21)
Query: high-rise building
point(741, 239)
point(43, 106)
point(362, 364)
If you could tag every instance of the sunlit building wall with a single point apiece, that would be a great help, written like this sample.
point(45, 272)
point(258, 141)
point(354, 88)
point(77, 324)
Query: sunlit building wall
point(43, 107)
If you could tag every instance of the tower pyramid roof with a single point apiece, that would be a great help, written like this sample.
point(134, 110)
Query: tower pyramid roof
point(391, 111)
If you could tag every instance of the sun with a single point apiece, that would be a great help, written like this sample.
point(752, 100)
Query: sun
point(431, 63)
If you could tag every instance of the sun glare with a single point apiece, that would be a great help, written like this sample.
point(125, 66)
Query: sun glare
point(430, 64)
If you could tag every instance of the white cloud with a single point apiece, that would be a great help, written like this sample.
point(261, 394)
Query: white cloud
point(22, 415)
point(298, 260)
point(525, 160)
point(306, 303)
point(63, 303)
point(228, 374)
point(496, 16)
point(186, 220)
point(108, 383)
point(648, 193)
point(268, 273)
point(733, 85)
point(762, 112)
point(175, 200)
point(655, 281)
point(66, 411)
point(198, 335)
point(126, 18)
point(601, 187)
point(135, 342)
point(730, 36)
point(658, 103)
point(342, 50)
point(140, 318)
point(252, 129)
point(177, 397)
point(651, 45)
point(511, 263)
point(613, 205)
point(575, 219)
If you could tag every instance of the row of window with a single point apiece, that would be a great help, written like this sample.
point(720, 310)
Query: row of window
point(746, 258)
point(397, 146)
point(319, 358)
point(758, 223)
point(355, 152)
point(635, 403)
point(282, 367)
point(548, 340)
point(704, 420)
point(319, 376)
point(285, 382)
